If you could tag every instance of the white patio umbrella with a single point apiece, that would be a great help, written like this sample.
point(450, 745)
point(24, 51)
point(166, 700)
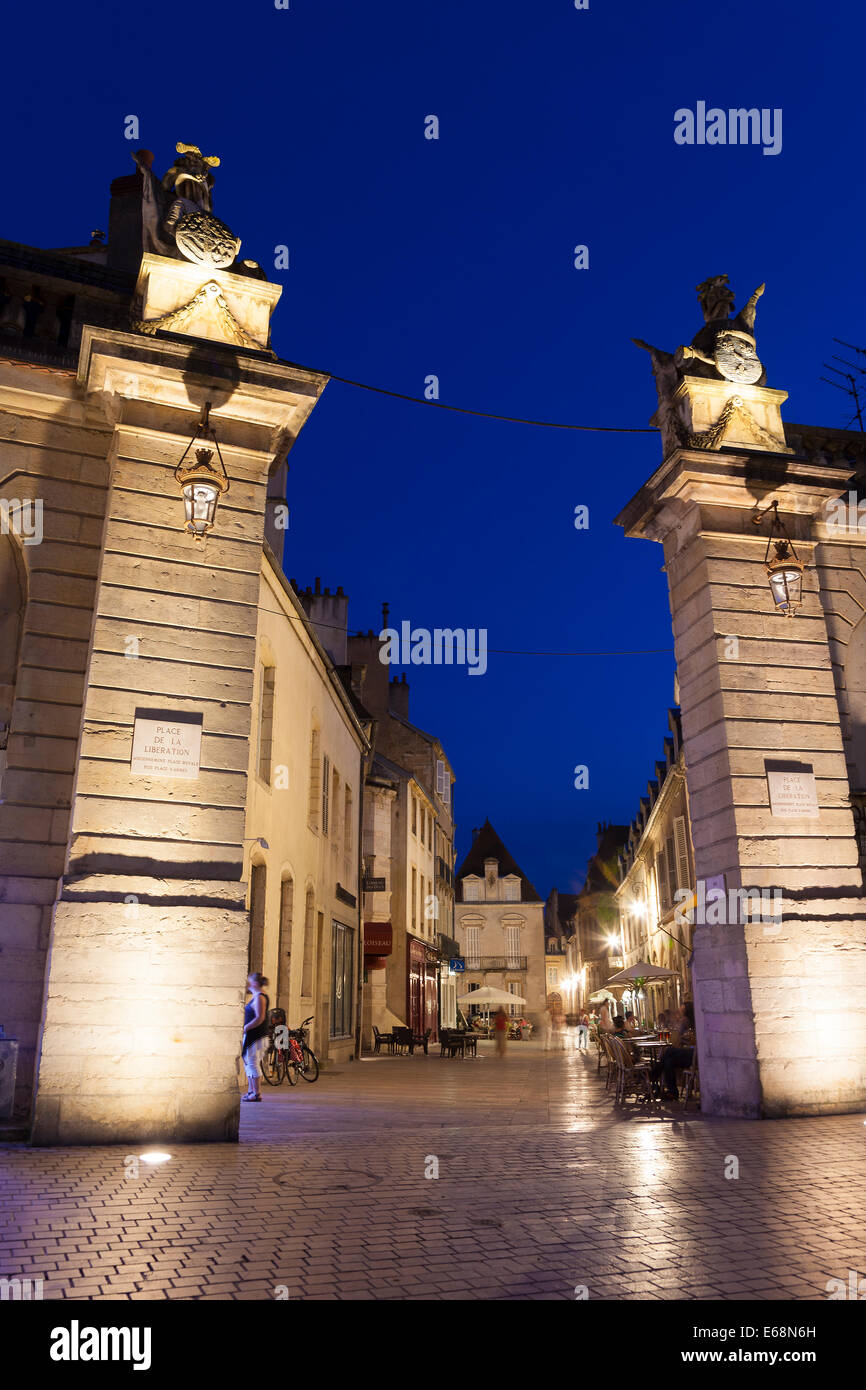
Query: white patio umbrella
point(488, 995)
point(642, 971)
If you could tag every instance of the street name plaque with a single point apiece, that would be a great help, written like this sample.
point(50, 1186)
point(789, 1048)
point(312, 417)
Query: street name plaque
point(793, 794)
point(166, 743)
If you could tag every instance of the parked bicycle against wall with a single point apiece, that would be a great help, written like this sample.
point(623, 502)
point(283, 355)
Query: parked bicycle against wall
point(288, 1054)
point(300, 1058)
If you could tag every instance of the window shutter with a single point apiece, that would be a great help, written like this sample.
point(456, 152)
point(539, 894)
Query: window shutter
point(443, 781)
point(473, 953)
point(662, 879)
point(673, 879)
point(682, 847)
point(326, 791)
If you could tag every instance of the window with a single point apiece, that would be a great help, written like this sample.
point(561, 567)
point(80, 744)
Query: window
point(512, 892)
point(336, 823)
point(287, 894)
point(348, 836)
point(664, 891)
point(258, 894)
point(326, 792)
point(414, 896)
point(443, 781)
point(473, 947)
point(414, 816)
point(342, 980)
point(513, 987)
point(266, 721)
point(471, 891)
point(315, 782)
point(512, 945)
point(309, 945)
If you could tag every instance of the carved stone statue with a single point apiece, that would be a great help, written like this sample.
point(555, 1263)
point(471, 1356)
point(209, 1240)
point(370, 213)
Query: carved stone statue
point(723, 349)
point(176, 214)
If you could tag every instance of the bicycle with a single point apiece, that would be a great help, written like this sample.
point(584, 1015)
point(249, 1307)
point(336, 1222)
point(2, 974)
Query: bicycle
point(300, 1059)
point(275, 1060)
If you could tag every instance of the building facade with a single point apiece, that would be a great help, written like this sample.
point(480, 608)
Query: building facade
point(594, 921)
point(656, 893)
point(307, 760)
point(408, 900)
point(500, 925)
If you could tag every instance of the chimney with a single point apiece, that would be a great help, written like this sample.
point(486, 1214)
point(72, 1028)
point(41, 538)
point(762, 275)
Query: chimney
point(364, 648)
point(329, 615)
point(124, 222)
point(398, 696)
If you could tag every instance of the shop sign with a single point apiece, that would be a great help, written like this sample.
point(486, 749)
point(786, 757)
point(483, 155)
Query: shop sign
point(378, 939)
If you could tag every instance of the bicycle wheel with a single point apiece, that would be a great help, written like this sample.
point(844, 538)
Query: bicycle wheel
point(310, 1070)
point(272, 1066)
point(291, 1069)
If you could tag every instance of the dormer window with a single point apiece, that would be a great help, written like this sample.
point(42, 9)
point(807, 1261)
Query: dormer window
point(511, 890)
point(471, 890)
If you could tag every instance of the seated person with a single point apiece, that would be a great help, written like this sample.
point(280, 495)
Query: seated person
point(630, 1022)
point(620, 1030)
point(679, 1054)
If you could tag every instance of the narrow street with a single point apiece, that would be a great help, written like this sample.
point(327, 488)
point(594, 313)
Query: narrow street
point(541, 1187)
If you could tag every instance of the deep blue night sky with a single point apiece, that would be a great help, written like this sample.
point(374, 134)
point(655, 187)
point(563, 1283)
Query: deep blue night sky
point(455, 257)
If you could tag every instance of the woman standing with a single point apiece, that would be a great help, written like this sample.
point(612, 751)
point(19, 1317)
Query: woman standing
point(255, 1035)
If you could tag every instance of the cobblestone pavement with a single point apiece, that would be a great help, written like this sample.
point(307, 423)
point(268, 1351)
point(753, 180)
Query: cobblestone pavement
point(542, 1187)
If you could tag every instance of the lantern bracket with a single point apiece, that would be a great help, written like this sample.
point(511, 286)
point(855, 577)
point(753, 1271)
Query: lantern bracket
point(204, 430)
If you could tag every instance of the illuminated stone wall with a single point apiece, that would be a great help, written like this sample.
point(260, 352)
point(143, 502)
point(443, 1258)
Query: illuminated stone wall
point(52, 450)
point(781, 1004)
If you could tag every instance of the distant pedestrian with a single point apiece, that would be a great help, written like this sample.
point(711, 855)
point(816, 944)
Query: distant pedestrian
point(557, 1032)
point(604, 1019)
point(255, 1035)
point(500, 1025)
point(583, 1033)
point(546, 1028)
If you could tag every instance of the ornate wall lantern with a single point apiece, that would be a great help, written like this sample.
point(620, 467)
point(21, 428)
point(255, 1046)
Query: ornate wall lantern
point(201, 483)
point(784, 567)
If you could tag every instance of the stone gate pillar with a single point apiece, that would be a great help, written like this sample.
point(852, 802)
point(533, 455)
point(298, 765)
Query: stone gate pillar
point(148, 954)
point(780, 1004)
